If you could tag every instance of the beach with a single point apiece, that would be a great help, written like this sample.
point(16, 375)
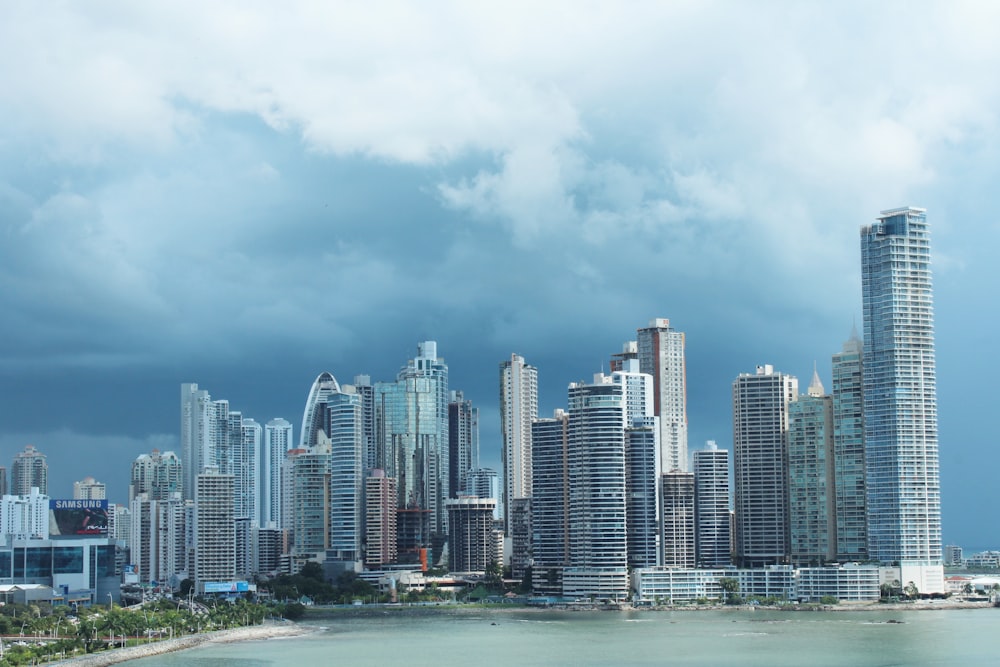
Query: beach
point(250, 633)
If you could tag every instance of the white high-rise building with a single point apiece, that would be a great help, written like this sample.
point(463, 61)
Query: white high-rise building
point(711, 506)
point(30, 470)
point(900, 397)
point(760, 428)
point(197, 415)
point(518, 409)
point(214, 529)
point(25, 517)
point(661, 355)
point(277, 441)
point(157, 474)
point(89, 488)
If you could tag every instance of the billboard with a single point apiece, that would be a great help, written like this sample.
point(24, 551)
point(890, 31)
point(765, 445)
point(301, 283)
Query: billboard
point(226, 586)
point(86, 518)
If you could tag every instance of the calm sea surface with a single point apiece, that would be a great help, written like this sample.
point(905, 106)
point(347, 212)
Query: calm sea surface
point(521, 639)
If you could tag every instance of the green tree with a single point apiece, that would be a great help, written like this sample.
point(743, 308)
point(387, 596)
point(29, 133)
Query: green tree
point(729, 586)
point(910, 590)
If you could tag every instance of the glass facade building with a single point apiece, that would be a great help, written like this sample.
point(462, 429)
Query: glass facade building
point(900, 393)
point(849, 451)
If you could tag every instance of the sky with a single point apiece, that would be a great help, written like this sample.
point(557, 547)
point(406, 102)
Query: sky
point(247, 194)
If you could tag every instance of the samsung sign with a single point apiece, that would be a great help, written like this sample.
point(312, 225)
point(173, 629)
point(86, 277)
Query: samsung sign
point(78, 505)
point(78, 518)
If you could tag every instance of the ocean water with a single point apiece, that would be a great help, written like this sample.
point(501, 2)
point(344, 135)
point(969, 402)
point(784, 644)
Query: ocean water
point(527, 638)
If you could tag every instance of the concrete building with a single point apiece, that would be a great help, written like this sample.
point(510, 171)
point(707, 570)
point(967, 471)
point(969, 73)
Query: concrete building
point(89, 488)
point(343, 423)
point(760, 429)
point(486, 483)
point(158, 474)
point(25, 517)
point(678, 520)
point(215, 532)
point(381, 504)
point(661, 355)
point(900, 397)
point(463, 441)
point(278, 439)
point(29, 470)
point(713, 539)
point(518, 409)
point(471, 547)
point(642, 483)
point(550, 499)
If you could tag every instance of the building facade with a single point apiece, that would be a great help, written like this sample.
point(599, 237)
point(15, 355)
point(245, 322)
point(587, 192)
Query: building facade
point(518, 409)
point(661, 355)
point(900, 396)
point(713, 539)
point(29, 470)
point(847, 393)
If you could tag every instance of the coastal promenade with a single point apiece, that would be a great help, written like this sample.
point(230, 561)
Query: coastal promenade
point(269, 630)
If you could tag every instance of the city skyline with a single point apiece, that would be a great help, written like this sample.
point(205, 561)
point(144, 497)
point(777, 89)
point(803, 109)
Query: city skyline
point(250, 199)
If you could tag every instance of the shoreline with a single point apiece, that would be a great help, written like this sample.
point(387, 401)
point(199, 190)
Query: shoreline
point(249, 633)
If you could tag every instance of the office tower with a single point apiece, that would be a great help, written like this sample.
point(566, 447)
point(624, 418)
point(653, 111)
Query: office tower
point(343, 423)
point(29, 470)
point(215, 532)
point(278, 439)
point(89, 488)
point(3, 481)
point(713, 542)
point(471, 547)
point(485, 483)
point(463, 441)
point(812, 523)
point(312, 417)
point(381, 503)
point(678, 520)
point(900, 397)
point(413, 447)
point(365, 390)
point(158, 474)
point(642, 483)
point(760, 428)
point(849, 452)
point(550, 499)
point(518, 409)
point(661, 354)
point(598, 563)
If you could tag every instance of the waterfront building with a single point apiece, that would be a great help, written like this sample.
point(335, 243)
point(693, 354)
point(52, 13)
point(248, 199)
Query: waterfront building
point(3, 481)
point(365, 390)
point(381, 503)
point(412, 414)
point(78, 571)
point(598, 562)
point(471, 547)
point(550, 500)
point(642, 498)
point(158, 474)
point(518, 409)
point(900, 397)
point(89, 488)
point(215, 533)
point(158, 546)
point(463, 441)
point(953, 555)
point(713, 539)
point(486, 483)
point(197, 434)
point(849, 452)
point(661, 355)
point(278, 439)
point(312, 416)
point(812, 524)
point(29, 470)
point(343, 422)
point(519, 535)
point(678, 520)
point(310, 506)
point(760, 427)
point(269, 544)
point(245, 436)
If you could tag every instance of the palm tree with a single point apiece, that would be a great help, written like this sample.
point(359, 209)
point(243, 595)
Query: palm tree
point(86, 630)
point(910, 590)
point(729, 585)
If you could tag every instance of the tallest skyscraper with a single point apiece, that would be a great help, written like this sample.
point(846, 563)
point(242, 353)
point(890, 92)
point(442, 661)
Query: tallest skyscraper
point(900, 397)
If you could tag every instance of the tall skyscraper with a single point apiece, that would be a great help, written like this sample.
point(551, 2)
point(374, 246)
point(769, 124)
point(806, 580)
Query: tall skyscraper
point(215, 529)
point(157, 474)
point(278, 439)
point(365, 390)
point(380, 519)
point(245, 436)
point(463, 441)
point(486, 483)
point(518, 409)
point(849, 451)
point(30, 469)
point(812, 524)
point(412, 415)
point(344, 424)
point(550, 497)
point(900, 397)
point(760, 428)
point(661, 354)
point(197, 420)
point(312, 417)
point(598, 561)
point(711, 506)
point(471, 546)
point(678, 519)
